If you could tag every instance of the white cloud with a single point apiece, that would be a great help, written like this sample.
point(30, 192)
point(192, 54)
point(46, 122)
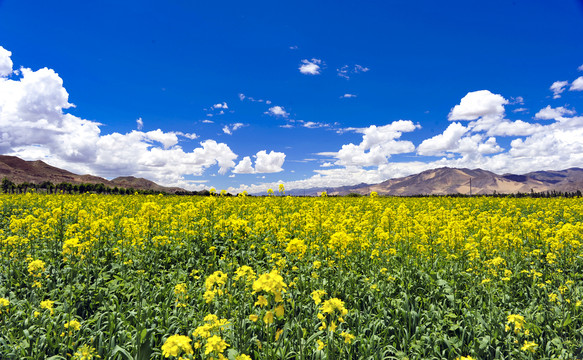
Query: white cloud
point(558, 87)
point(447, 141)
point(221, 106)
point(553, 146)
point(377, 145)
point(294, 47)
point(190, 136)
point(346, 70)
point(580, 68)
point(347, 96)
point(549, 113)
point(244, 166)
point(140, 123)
point(33, 126)
point(313, 125)
point(478, 104)
point(228, 129)
point(277, 111)
point(310, 67)
point(520, 110)
point(577, 85)
point(207, 121)
point(264, 163)
point(360, 68)
point(5, 62)
point(252, 99)
point(269, 163)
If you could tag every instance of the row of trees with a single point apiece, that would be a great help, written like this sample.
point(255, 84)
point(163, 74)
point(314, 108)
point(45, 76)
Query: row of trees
point(9, 187)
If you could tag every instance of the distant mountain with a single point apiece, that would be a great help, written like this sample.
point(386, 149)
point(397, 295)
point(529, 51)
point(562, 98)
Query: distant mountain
point(18, 171)
point(443, 181)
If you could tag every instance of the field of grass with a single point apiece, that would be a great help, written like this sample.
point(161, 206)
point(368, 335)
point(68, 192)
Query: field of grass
point(140, 277)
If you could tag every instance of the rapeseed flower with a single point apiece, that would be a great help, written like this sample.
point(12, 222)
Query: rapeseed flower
point(85, 352)
point(317, 295)
point(348, 338)
point(215, 344)
point(47, 304)
point(177, 344)
point(529, 346)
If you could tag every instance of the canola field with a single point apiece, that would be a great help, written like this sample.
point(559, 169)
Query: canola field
point(166, 277)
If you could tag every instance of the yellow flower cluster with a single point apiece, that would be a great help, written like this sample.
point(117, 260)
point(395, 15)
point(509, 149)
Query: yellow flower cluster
point(176, 345)
point(517, 321)
point(215, 285)
point(4, 303)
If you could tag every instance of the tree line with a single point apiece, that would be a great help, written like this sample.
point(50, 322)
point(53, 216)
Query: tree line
point(9, 187)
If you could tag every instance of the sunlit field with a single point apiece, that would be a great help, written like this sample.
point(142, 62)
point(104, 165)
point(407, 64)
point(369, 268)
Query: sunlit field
point(140, 277)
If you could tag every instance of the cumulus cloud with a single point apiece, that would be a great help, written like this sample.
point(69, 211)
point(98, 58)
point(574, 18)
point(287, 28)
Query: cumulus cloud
point(277, 111)
point(553, 145)
point(377, 145)
point(580, 68)
point(478, 104)
point(577, 85)
point(549, 113)
point(245, 166)
point(5, 62)
point(228, 129)
point(140, 123)
point(221, 106)
point(310, 67)
point(558, 87)
point(347, 96)
point(33, 125)
point(264, 163)
point(447, 141)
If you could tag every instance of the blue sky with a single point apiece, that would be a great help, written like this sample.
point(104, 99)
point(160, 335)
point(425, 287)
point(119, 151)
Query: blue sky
point(242, 96)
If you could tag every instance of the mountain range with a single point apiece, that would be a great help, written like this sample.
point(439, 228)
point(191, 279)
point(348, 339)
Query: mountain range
point(441, 181)
point(19, 171)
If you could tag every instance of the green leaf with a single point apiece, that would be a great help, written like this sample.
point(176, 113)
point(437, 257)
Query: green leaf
point(118, 349)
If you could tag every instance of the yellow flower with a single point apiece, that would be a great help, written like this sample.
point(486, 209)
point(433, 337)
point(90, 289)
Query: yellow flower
point(243, 357)
point(464, 358)
point(279, 311)
point(261, 301)
point(85, 352)
point(348, 338)
point(331, 305)
point(175, 345)
point(317, 295)
point(268, 318)
point(517, 320)
point(215, 344)
point(47, 304)
point(73, 325)
point(321, 344)
point(333, 326)
point(245, 272)
point(36, 267)
point(529, 346)
point(180, 289)
point(271, 283)
point(4, 304)
point(278, 334)
point(253, 317)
